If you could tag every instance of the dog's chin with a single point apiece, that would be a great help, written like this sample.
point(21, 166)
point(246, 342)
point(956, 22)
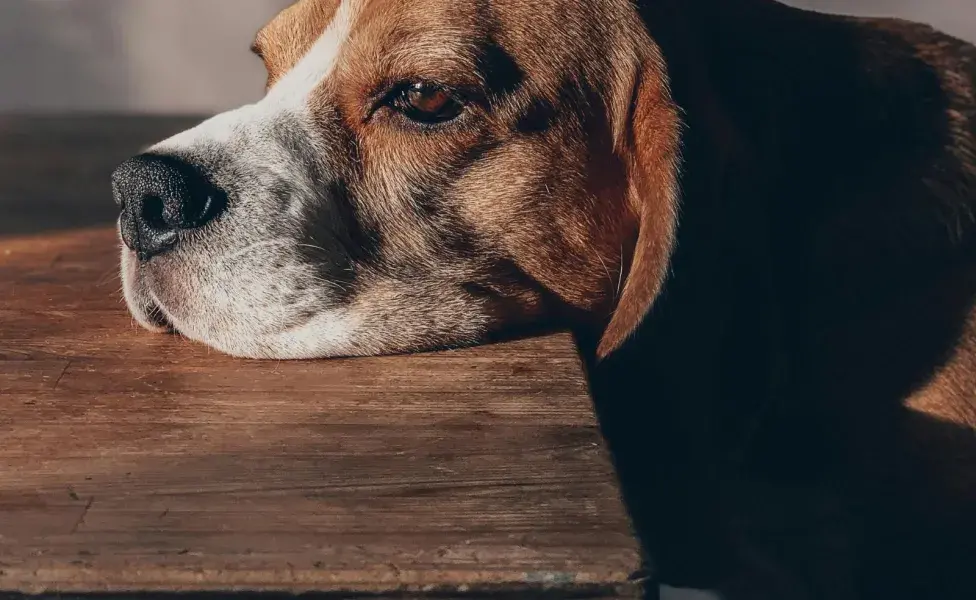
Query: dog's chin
point(239, 310)
point(323, 334)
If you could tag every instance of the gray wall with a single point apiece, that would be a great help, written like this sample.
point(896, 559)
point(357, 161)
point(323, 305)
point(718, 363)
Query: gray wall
point(188, 56)
point(130, 55)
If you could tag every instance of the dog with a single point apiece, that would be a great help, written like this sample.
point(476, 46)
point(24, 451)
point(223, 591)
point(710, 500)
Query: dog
point(761, 222)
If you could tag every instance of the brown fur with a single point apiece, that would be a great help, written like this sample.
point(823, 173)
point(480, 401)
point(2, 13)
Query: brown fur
point(581, 204)
point(808, 322)
point(285, 40)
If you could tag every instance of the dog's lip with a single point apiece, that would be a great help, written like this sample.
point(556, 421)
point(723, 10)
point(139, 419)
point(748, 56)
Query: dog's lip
point(143, 305)
point(156, 319)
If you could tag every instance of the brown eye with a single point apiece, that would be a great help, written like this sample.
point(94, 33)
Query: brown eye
point(427, 103)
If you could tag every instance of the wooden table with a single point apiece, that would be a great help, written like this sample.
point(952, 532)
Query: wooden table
point(145, 463)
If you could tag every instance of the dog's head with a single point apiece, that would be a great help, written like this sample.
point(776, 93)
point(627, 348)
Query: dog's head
point(419, 174)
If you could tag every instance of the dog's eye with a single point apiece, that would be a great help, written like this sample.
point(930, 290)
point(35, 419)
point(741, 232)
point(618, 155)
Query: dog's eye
point(427, 103)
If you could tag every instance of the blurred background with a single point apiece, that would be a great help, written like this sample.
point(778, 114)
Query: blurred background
point(190, 56)
point(175, 57)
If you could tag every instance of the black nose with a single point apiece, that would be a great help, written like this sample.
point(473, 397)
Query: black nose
point(159, 196)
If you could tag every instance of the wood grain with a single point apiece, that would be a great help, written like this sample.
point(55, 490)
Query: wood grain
point(139, 462)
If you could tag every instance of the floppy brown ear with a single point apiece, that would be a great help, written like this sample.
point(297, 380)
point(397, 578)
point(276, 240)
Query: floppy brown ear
point(651, 150)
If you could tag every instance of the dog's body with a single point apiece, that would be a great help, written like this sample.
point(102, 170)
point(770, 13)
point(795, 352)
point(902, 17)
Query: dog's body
point(824, 335)
point(760, 218)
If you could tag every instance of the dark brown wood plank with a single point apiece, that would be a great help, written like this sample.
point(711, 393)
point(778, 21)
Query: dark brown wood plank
point(140, 462)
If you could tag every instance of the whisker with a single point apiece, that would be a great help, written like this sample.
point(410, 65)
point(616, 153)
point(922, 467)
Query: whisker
point(112, 274)
point(620, 277)
point(312, 246)
point(251, 247)
point(602, 262)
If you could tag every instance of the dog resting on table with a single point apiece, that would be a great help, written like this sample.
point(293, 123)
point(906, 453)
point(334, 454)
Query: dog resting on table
point(760, 220)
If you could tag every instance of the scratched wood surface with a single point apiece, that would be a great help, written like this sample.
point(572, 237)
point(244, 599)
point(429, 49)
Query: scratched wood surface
point(139, 462)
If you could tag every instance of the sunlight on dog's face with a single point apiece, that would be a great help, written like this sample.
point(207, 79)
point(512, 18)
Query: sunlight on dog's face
point(419, 174)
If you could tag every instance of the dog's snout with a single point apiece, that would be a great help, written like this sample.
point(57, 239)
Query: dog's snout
point(159, 196)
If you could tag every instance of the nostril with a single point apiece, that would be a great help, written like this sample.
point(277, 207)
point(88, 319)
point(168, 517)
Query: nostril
point(205, 204)
point(152, 215)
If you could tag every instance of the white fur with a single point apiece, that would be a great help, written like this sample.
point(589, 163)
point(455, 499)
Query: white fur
point(294, 89)
point(214, 294)
point(289, 97)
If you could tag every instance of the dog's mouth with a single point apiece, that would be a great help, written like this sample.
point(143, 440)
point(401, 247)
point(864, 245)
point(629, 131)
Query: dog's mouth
point(155, 319)
point(158, 319)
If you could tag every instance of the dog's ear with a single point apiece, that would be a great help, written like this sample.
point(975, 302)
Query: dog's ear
point(648, 140)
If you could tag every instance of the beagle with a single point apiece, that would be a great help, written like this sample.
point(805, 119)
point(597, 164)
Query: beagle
point(762, 219)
